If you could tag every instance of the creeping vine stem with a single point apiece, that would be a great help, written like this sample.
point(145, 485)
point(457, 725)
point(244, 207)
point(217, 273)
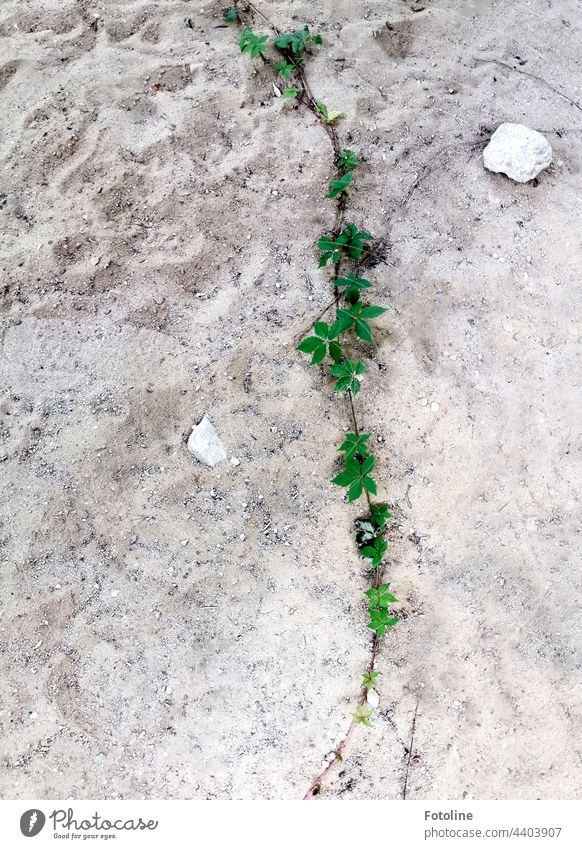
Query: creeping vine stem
point(345, 243)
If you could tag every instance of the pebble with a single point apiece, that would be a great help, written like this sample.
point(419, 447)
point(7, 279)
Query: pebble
point(205, 444)
point(434, 407)
point(518, 152)
point(373, 699)
point(234, 461)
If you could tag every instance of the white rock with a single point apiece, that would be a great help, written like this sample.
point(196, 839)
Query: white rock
point(517, 151)
point(205, 445)
point(373, 699)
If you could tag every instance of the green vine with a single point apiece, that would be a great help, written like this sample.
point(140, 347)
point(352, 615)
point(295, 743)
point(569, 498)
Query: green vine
point(327, 345)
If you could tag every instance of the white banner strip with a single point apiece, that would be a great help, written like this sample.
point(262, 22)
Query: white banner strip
point(267, 824)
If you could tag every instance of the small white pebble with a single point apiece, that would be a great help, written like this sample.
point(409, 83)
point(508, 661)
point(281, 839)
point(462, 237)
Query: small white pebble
point(373, 698)
point(234, 461)
point(423, 402)
point(434, 407)
point(242, 537)
point(184, 542)
point(114, 593)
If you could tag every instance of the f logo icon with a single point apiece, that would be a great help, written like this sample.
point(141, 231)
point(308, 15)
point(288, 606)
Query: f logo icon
point(32, 822)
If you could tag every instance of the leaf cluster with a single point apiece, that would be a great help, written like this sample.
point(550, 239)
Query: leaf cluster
point(328, 116)
point(355, 316)
point(340, 185)
point(348, 375)
point(363, 716)
point(346, 160)
point(380, 515)
point(296, 42)
point(375, 551)
point(356, 477)
point(369, 680)
point(322, 343)
point(350, 242)
point(379, 601)
point(355, 445)
point(252, 44)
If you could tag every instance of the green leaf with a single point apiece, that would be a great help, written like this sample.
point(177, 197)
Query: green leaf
point(380, 597)
point(355, 490)
point(344, 478)
point(352, 281)
point(363, 331)
point(348, 160)
point(313, 345)
point(344, 320)
point(379, 515)
point(343, 384)
point(335, 351)
point(231, 15)
point(319, 354)
point(253, 44)
point(369, 680)
point(362, 716)
point(328, 116)
point(368, 465)
point(339, 186)
point(372, 312)
point(353, 285)
point(296, 42)
point(380, 622)
point(369, 485)
point(284, 68)
point(309, 345)
point(291, 92)
point(332, 116)
point(321, 328)
point(335, 330)
point(353, 445)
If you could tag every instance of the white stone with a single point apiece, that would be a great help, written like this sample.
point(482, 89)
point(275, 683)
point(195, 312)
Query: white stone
point(517, 151)
point(205, 445)
point(373, 698)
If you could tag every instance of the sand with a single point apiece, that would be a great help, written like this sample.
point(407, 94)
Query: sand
point(175, 631)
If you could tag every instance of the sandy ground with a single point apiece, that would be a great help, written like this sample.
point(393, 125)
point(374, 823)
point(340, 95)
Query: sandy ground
point(170, 630)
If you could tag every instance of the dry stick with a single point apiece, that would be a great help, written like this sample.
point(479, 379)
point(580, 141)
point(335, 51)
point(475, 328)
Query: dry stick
point(308, 99)
point(533, 77)
point(410, 750)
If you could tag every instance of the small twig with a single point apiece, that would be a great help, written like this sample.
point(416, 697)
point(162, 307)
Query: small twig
point(410, 750)
point(258, 12)
point(533, 77)
point(302, 333)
